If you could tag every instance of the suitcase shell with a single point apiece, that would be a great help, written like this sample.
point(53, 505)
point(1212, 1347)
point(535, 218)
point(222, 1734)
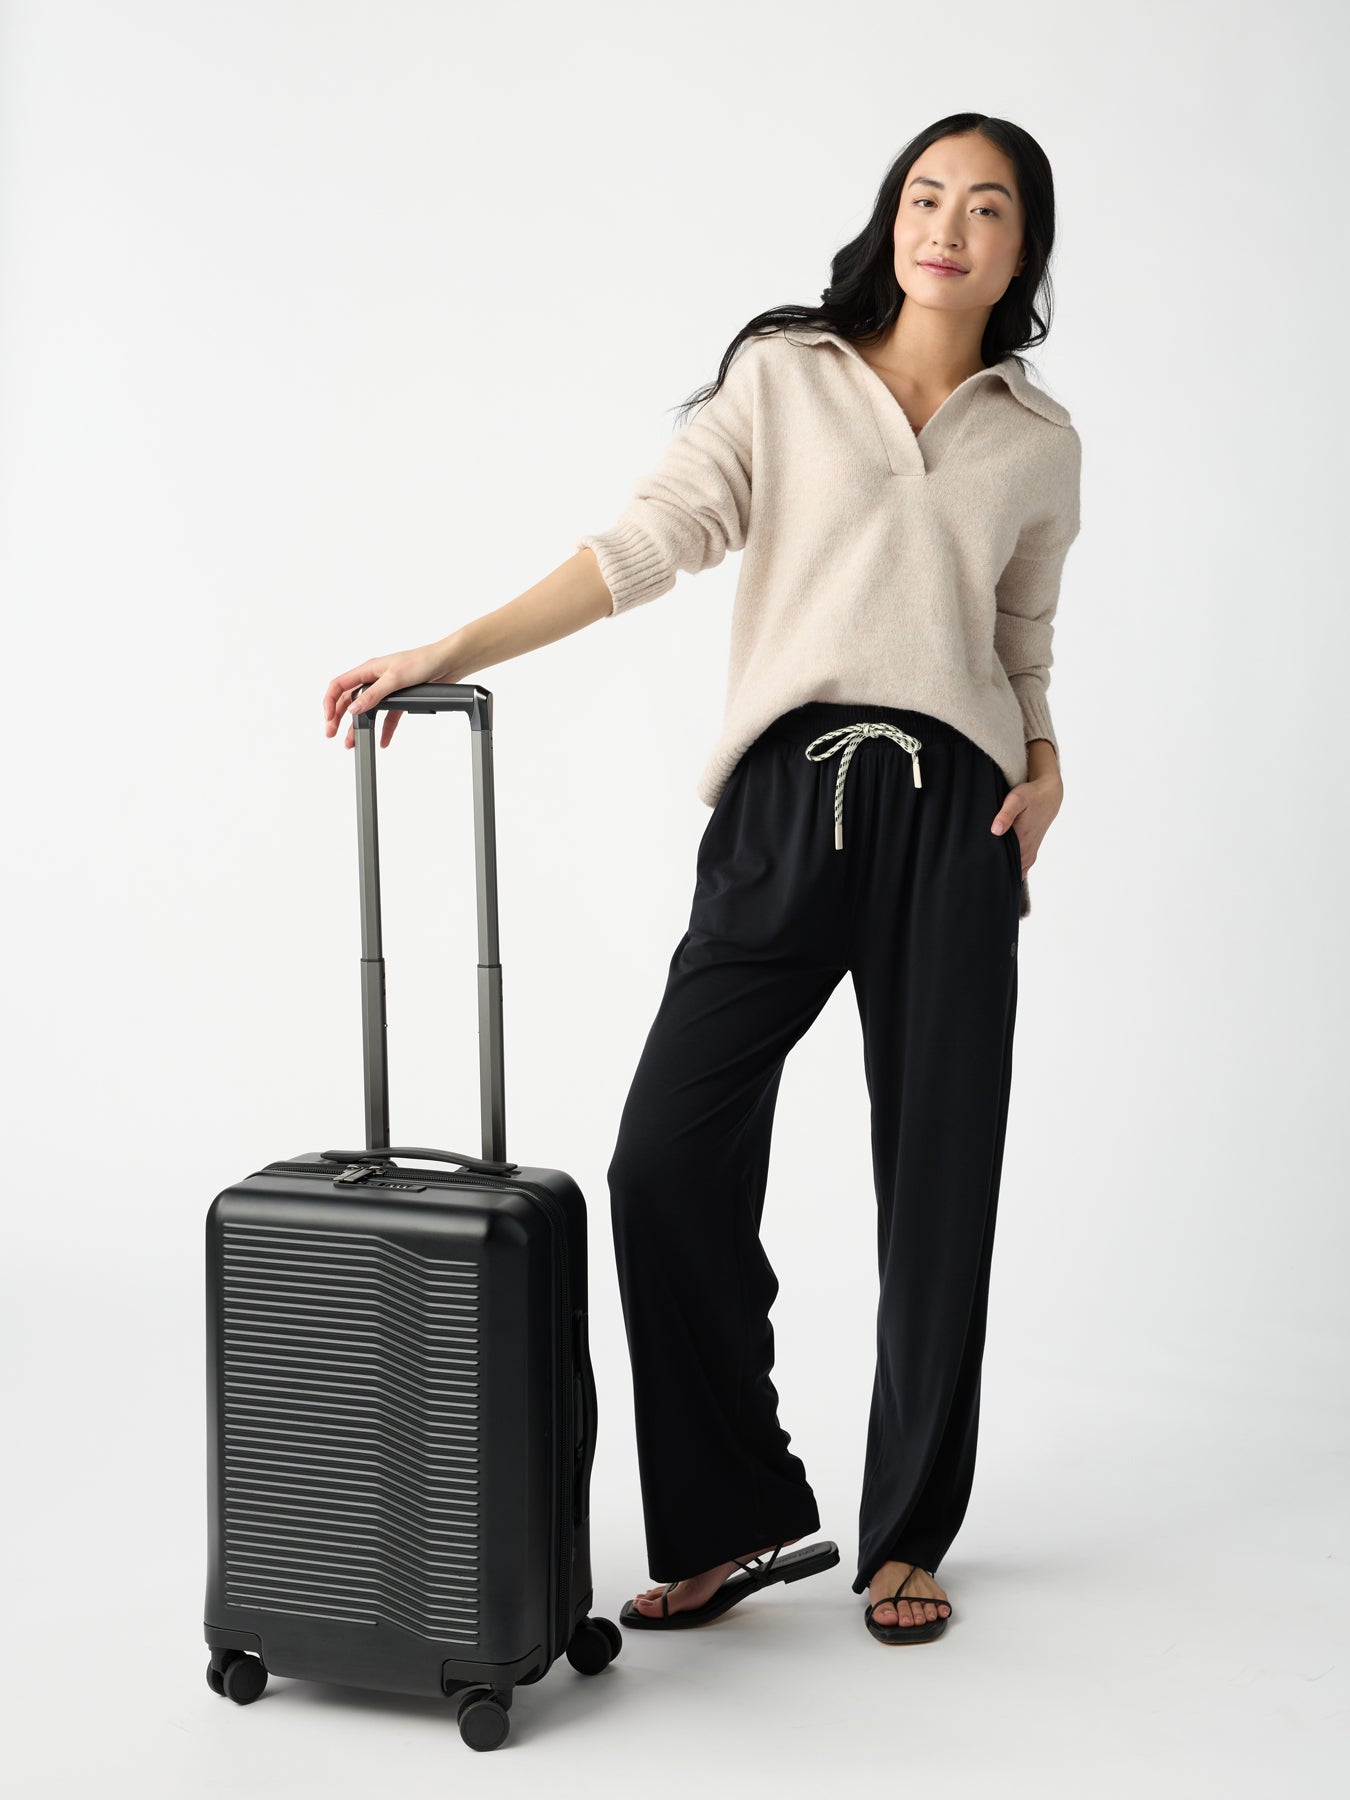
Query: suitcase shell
point(401, 1403)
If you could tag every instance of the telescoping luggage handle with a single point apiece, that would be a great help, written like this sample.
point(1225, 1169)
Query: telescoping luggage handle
point(431, 697)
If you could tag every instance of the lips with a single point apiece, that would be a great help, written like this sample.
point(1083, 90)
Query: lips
point(938, 262)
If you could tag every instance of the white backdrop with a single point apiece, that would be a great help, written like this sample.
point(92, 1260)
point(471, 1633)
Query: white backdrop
point(329, 327)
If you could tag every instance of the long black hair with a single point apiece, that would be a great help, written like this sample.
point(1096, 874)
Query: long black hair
point(864, 297)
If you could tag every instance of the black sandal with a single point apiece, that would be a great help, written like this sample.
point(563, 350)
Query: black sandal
point(795, 1566)
point(908, 1634)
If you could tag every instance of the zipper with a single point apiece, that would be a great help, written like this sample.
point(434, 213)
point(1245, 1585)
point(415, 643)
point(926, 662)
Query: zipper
point(562, 1310)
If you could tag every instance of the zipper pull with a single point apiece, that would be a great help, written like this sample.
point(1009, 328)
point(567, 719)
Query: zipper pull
point(354, 1173)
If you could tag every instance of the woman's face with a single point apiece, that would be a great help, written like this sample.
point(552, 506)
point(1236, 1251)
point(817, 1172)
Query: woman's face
point(960, 205)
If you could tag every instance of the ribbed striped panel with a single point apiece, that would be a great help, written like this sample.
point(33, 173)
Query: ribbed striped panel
point(351, 1439)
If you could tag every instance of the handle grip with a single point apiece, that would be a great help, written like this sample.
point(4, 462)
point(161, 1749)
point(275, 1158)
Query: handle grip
point(586, 1414)
point(434, 697)
point(382, 1152)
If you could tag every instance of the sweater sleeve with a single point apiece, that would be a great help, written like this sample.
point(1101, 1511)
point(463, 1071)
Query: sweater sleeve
point(694, 506)
point(1028, 596)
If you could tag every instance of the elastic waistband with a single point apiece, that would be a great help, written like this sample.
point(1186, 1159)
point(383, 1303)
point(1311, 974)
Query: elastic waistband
point(807, 722)
point(827, 728)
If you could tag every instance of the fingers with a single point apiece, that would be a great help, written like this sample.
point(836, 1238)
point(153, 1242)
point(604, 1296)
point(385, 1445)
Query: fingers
point(390, 676)
point(375, 680)
point(391, 720)
point(343, 706)
point(342, 687)
point(335, 703)
point(370, 695)
point(338, 700)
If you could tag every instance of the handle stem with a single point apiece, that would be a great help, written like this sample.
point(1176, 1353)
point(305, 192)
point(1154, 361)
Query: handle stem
point(430, 697)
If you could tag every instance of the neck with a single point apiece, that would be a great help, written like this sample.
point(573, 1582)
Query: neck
point(929, 350)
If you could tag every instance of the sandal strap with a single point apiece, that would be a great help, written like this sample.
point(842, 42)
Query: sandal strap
point(764, 1566)
point(910, 1599)
point(905, 1583)
point(915, 1599)
point(762, 1570)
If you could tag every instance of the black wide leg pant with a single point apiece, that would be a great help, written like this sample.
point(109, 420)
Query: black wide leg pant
point(920, 906)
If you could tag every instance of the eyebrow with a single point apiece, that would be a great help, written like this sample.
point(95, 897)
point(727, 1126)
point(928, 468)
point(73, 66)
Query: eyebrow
point(976, 187)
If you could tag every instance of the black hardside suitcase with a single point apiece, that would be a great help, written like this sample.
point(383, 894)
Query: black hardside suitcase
point(401, 1404)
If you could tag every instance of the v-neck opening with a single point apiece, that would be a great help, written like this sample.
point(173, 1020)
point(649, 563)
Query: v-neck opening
point(944, 402)
point(909, 453)
point(905, 447)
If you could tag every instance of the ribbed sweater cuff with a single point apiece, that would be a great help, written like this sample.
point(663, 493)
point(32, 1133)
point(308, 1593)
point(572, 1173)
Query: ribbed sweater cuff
point(1036, 720)
point(631, 563)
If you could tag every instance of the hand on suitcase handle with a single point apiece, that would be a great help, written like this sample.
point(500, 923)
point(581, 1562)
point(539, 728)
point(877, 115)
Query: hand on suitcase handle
point(431, 664)
point(384, 1152)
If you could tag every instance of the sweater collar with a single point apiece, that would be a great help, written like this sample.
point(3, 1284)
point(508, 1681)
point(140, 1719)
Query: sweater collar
point(1034, 398)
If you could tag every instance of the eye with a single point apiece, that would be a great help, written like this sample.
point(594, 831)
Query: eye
point(927, 200)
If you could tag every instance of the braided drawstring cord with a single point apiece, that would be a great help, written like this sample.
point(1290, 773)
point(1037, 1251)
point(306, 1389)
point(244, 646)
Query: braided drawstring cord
point(849, 737)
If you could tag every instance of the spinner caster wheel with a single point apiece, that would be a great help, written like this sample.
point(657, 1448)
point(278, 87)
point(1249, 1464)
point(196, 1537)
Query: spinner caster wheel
point(483, 1718)
point(595, 1643)
point(215, 1677)
point(243, 1678)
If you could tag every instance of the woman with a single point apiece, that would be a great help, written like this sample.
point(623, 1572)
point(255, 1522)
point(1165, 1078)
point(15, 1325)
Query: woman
point(915, 496)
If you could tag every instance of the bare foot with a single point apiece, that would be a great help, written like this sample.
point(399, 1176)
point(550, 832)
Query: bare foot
point(924, 1600)
point(694, 1590)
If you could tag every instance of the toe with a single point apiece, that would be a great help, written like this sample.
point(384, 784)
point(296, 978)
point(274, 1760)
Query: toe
point(884, 1614)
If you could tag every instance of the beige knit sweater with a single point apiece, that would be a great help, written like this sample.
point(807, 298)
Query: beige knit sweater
point(878, 566)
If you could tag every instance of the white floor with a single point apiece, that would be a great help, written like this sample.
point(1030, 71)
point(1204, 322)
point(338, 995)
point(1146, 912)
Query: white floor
point(1150, 1591)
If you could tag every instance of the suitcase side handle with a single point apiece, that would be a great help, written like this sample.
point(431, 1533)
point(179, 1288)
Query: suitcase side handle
point(476, 702)
point(586, 1417)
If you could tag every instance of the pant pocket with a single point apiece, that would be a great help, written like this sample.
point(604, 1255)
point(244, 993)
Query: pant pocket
point(1012, 848)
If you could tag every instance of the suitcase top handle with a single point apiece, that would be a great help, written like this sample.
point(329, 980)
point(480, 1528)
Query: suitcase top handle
point(382, 1152)
point(476, 702)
